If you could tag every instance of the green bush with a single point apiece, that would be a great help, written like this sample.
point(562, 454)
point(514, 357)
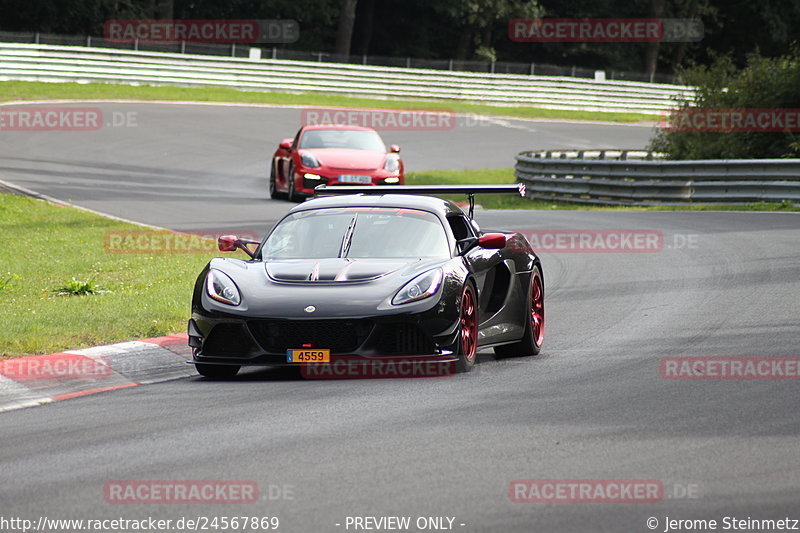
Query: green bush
point(765, 83)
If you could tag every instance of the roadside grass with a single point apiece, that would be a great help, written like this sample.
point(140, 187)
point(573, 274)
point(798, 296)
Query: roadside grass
point(22, 90)
point(80, 287)
point(503, 201)
point(44, 246)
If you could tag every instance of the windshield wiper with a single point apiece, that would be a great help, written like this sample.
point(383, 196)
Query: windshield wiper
point(347, 240)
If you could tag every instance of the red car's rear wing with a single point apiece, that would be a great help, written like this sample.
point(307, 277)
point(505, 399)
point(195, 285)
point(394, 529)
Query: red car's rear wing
point(469, 190)
point(328, 190)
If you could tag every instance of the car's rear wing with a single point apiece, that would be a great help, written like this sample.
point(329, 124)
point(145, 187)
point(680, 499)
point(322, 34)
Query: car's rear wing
point(469, 190)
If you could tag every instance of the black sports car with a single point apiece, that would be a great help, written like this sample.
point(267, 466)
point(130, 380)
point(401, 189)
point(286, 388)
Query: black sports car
point(369, 276)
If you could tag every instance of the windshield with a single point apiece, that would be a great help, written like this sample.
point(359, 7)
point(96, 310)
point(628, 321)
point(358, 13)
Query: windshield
point(354, 139)
point(357, 233)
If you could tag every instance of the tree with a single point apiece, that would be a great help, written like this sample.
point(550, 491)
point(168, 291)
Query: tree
point(163, 9)
point(477, 20)
point(344, 35)
point(651, 50)
point(368, 17)
point(765, 83)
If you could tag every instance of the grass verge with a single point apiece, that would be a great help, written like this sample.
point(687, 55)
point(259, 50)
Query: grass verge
point(506, 175)
point(22, 90)
point(44, 246)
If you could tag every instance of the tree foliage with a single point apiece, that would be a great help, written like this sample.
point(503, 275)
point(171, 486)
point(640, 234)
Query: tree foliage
point(457, 29)
point(765, 83)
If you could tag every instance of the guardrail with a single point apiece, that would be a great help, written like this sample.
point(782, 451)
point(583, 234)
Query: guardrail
point(628, 177)
point(37, 62)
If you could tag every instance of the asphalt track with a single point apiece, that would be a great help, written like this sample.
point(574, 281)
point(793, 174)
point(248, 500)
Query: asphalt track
point(593, 405)
point(206, 167)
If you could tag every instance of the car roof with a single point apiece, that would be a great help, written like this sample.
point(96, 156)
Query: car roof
point(335, 127)
point(435, 205)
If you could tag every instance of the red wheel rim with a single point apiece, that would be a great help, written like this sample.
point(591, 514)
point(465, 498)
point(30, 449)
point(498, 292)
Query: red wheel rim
point(537, 309)
point(469, 325)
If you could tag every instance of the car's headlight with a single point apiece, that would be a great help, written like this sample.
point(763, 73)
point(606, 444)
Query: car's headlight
point(308, 160)
point(392, 163)
point(222, 288)
point(419, 288)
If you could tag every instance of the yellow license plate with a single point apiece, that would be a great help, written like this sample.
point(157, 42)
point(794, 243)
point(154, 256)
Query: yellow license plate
point(308, 355)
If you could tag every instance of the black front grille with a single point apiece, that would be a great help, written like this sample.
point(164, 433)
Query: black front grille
point(228, 340)
point(402, 339)
point(339, 336)
point(312, 183)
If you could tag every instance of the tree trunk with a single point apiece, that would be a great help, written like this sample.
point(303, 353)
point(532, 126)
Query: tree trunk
point(651, 52)
point(344, 35)
point(166, 9)
point(162, 9)
point(463, 46)
point(681, 47)
point(369, 23)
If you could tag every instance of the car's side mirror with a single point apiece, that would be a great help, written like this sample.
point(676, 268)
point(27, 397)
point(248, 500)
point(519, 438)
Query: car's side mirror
point(394, 149)
point(286, 144)
point(227, 243)
point(231, 243)
point(492, 241)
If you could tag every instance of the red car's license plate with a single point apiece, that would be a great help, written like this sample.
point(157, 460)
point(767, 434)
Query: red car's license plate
point(351, 178)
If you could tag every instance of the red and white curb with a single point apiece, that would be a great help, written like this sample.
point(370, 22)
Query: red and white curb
point(40, 379)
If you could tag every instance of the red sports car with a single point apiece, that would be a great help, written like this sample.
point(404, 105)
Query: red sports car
point(332, 155)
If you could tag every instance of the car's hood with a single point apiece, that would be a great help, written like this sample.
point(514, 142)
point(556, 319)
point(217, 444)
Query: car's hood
point(334, 269)
point(347, 158)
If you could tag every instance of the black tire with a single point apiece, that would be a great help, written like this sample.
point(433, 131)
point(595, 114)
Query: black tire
point(293, 195)
point(273, 187)
point(531, 341)
point(467, 355)
point(217, 371)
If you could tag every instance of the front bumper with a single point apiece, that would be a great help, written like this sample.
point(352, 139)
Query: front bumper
point(307, 184)
point(265, 341)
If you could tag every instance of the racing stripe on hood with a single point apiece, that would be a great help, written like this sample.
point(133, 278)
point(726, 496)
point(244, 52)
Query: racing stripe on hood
point(340, 270)
point(314, 272)
point(342, 274)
